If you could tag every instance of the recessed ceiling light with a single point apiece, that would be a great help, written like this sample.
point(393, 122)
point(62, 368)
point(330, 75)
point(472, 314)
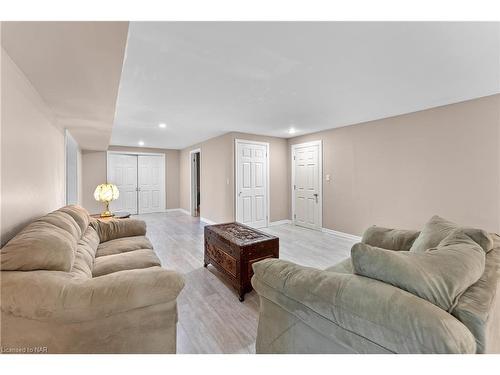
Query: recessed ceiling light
point(162, 125)
point(141, 143)
point(292, 131)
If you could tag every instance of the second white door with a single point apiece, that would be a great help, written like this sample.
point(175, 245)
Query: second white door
point(252, 183)
point(151, 183)
point(307, 179)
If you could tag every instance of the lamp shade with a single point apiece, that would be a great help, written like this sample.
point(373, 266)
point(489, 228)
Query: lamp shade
point(106, 193)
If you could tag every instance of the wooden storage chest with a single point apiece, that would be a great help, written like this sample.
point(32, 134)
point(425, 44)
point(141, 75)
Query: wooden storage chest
point(232, 248)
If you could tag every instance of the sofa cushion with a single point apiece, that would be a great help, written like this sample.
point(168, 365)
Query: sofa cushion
point(117, 228)
point(59, 298)
point(123, 245)
point(79, 214)
point(143, 258)
point(64, 221)
point(39, 246)
point(342, 267)
point(437, 229)
point(439, 275)
point(390, 239)
point(479, 307)
point(85, 253)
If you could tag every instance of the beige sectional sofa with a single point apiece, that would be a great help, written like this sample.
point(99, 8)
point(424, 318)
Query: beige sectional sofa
point(73, 284)
point(349, 308)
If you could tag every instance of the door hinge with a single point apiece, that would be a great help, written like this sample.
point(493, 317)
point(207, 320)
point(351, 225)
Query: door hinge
point(294, 216)
point(294, 187)
point(293, 157)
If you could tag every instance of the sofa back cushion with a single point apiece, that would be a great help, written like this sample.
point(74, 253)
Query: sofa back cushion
point(39, 246)
point(79, 214)
point(85, 254)
point(390, 239)
point(64, 221)
point(479, 307)
point(115, 228)
point(439, 275)
point(437, 229)
point(49, 243)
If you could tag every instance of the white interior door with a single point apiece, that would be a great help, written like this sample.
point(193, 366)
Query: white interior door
point(252, 183)
point(151, 183)
point(122, 171)
point(307, 185)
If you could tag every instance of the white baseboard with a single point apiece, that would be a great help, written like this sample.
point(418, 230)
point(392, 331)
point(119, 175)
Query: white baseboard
point(209, 222)
point(177, 210)
point(280, 222)
point(342, 235)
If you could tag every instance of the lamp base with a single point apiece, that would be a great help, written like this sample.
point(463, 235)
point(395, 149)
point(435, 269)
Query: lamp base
point(106, 214)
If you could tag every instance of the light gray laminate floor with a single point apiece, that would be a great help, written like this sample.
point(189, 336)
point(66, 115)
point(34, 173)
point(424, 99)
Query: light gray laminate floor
point(211, 318)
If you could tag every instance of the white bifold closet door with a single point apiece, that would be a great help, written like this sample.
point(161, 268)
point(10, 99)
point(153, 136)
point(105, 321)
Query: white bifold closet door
point(151, 184)
point(140, 180)
point(122, 171)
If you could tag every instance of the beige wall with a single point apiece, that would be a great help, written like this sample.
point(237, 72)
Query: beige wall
point(217, 177)
point(400, 171)
point(32, 153)
point(94, 173)
point(215, 194)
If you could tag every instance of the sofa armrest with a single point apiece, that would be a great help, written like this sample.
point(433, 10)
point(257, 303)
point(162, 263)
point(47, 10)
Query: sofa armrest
point(390, 317)
point(117, 228)
point(390, 239)
point(45, 295)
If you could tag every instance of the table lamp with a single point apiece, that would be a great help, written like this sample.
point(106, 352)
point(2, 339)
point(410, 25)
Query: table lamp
point(106, 193)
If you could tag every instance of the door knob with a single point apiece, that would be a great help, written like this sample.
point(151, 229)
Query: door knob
point(239, 194)
point(316, 196)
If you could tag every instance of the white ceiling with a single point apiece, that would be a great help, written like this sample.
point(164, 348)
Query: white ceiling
point(203, 79)
point(76, 69)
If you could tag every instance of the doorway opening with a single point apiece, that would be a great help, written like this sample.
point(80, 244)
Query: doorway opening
point(195, 162)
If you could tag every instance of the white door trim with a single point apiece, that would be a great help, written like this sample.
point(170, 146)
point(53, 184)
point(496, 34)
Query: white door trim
point(163, 157)
point(237, 141)
point(320, 176)
point(191, 179)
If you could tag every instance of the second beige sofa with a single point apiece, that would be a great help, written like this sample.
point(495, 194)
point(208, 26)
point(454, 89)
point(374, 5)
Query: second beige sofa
point(336, 310)
point(71, 284)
